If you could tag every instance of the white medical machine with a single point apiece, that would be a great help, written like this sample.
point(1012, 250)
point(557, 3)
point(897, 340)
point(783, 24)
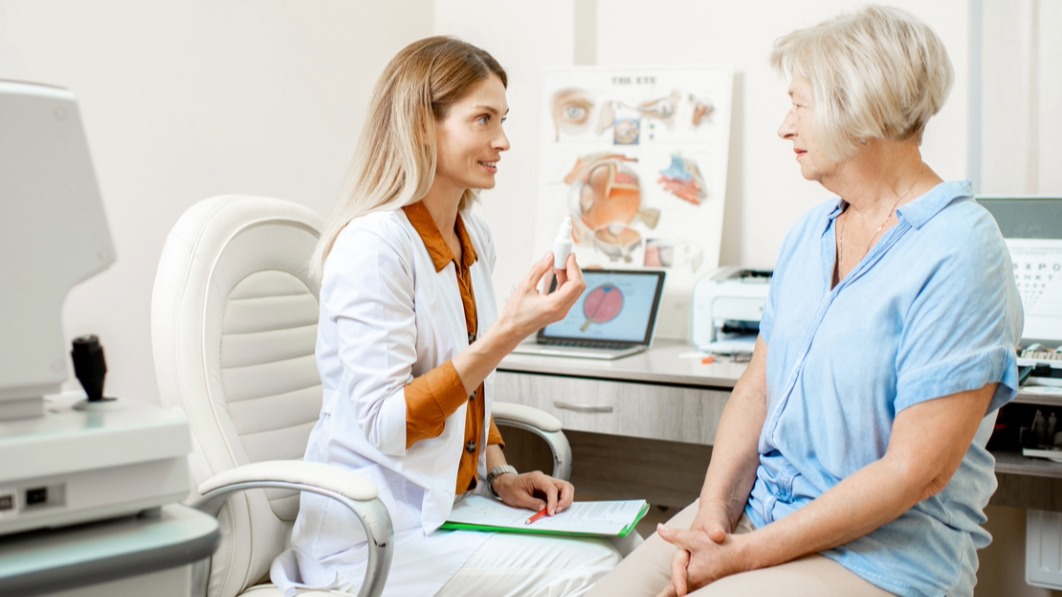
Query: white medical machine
point(65, 457)
point(728, 305)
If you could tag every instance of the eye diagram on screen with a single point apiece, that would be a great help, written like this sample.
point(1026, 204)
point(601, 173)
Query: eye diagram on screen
point(603, 303)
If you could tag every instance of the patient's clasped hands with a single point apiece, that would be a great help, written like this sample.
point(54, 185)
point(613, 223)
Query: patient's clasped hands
point(706, 552)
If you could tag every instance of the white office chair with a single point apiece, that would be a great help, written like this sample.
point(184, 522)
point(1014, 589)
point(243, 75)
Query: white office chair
point(233, 326)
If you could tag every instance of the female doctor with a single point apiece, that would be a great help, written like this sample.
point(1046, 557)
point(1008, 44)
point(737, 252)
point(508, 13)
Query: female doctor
point(408, 339)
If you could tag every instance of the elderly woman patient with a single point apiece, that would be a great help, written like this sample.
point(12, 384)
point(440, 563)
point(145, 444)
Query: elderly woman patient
point(850, 459)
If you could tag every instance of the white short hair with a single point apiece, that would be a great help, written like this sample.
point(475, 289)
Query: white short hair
point(879, 73)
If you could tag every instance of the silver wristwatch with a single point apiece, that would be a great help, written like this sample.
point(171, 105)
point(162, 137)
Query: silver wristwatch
point(497, 472)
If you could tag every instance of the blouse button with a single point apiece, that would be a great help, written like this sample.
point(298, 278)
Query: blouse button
point(470, 447)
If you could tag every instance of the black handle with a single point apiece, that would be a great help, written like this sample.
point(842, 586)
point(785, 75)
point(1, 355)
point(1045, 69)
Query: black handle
point(89, 365)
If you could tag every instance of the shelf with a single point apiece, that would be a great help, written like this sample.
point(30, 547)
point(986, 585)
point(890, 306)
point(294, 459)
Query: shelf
point(1016, 464)
point(1031, 395)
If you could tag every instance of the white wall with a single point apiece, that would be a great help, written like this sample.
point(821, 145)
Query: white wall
point(185, 100)
point(1021, 91)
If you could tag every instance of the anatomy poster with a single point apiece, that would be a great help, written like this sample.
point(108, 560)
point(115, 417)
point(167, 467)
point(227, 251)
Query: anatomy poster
point(637, 156)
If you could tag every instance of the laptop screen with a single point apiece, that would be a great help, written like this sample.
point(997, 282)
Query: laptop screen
point(618, 305)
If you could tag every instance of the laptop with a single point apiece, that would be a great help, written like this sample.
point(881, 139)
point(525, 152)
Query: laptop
point(615, 317)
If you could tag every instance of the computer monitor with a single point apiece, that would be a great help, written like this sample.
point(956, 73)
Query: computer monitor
point(1032, 227)
point(54, 235)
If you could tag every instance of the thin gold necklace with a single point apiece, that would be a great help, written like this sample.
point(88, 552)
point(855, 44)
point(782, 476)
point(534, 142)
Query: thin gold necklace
point(873, 237)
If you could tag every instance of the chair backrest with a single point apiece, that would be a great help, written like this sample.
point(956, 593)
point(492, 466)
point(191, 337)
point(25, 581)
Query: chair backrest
point(233, 327)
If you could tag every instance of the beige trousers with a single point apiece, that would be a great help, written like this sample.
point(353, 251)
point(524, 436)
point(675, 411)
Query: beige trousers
point(648, 570)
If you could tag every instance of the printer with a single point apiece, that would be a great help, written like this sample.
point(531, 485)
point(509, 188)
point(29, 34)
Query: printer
point(728, 303)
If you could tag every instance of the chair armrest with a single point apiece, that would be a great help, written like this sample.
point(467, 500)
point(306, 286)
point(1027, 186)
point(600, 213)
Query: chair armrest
point(542, 424)
point(525, 417)
point(354, 492)
point(300, 472)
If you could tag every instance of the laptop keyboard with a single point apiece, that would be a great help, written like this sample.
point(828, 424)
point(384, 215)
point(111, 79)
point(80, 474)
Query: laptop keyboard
point(589, 344)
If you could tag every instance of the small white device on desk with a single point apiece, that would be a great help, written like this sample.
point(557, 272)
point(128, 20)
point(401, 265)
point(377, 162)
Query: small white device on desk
point(727, 307)
point(67, 458)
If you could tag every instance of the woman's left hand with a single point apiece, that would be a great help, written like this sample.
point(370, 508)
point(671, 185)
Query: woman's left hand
point(700, 559)
point(535, 491)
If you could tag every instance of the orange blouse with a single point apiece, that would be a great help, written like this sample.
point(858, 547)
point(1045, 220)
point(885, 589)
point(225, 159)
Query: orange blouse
point(435, 395)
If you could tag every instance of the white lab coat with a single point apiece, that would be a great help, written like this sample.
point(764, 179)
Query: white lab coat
point(387, 317)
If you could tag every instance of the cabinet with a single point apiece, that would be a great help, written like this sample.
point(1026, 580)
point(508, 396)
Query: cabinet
point(666, 412)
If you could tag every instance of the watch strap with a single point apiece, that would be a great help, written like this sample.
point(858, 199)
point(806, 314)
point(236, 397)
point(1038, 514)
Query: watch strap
point(496, 472)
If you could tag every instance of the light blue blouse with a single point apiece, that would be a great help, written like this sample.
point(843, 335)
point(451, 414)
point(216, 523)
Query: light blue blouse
point(931, 310)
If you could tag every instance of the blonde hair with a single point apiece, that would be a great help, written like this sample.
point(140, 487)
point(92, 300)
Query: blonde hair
point(879, 73)
point(394, 163)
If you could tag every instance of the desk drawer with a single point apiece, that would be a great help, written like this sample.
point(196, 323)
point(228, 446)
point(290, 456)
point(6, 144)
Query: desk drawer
point(672, 413)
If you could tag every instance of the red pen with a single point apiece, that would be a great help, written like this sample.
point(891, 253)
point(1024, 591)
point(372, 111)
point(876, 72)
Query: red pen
point(536, 516)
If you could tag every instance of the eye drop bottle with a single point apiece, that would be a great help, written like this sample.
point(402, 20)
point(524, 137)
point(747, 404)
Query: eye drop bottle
point(562, 245)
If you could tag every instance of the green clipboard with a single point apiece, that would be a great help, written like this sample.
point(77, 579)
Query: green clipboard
point(478, 513)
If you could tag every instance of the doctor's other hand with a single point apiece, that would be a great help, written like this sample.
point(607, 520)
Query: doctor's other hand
point(530, 308)
point(534, 491)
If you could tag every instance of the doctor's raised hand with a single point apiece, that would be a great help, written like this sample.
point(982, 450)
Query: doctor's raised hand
point(531, 308)
point(408, 338)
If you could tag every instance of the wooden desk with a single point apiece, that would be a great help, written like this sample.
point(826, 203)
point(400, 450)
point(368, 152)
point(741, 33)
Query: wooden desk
point(642, 426)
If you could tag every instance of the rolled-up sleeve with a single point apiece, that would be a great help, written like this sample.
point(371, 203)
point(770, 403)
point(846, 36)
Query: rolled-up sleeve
point(431, 398)
point(494, 437)
point(962, 329)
